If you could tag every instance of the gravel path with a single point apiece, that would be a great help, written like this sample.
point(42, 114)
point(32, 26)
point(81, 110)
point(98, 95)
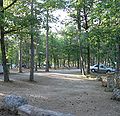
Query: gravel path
point(66, 92)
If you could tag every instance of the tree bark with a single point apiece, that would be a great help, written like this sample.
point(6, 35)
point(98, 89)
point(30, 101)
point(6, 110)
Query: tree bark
point(47, 47)
point(82, 61)
point(88, 47)
point(80, 46)
point(58, 63)
point(88, 59)
point(118, 54)
point(64, 64)
point(98, 55)
point(68, 59)
point(4, 60)
point(32, 48)
point(54, 62)
point(20, 57)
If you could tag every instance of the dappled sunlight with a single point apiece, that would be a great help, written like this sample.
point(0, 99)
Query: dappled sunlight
point(67, 78)
point(71, 77)
point(54, 90)
point(72, 74)
point(62, 76)
point(90, 78)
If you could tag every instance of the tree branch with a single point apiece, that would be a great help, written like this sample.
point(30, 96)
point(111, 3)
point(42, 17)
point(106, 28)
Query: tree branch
point(10, 5)
point(6, 32)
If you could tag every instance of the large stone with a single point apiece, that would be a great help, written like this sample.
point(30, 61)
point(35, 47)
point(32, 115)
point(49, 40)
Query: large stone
point(110, 83)
point(34, 111)
point(116, 94)
point(104, 81)
point(99, 78)
point(118, 81)
point(13, 101)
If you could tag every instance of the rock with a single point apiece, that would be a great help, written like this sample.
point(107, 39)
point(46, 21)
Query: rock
point(13, 101)
point(34, 111)
point(104, 81)
point(99, 78)
point(20, 104)
point(116, 94)
point(118, 81)
point(110, 83)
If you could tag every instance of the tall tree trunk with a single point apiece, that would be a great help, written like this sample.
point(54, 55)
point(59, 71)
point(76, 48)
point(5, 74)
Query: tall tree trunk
point(11, 63)
point(68, 60)
point(98, 55)
point(47, 47)
point(78, 60)
point(64, 63)
point(20, 57)
point(37, 55)
point(32, 48)
point(88, 59)
point(118, 63)
point(118, 54)
point(36, 59)
point(73, 62)
point(80, 46)
point(39, 60)
point(86, 30)
point(36, 66)
point(58, 63)
point(82, 69)
point(4, 61)
point(54, 62)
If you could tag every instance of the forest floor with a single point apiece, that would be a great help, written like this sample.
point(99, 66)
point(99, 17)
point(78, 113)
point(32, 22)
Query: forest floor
point(62, 90)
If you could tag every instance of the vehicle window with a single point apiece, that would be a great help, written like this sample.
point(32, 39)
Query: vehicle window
point(96, 66)
point(101, 66)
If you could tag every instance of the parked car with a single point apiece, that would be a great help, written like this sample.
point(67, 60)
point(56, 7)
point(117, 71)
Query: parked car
point(44, 65)
point(102, 68)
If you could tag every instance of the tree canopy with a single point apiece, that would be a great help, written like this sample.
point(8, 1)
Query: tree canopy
point(90, 36)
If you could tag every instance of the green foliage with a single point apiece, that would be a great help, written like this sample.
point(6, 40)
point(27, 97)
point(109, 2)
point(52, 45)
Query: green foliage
point(101, 34)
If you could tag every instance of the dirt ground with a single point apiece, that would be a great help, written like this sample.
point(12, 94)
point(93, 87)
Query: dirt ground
point(7, 112)
point(65, 91)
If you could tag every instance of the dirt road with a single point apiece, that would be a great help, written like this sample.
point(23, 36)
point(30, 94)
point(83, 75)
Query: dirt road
point(65, 91)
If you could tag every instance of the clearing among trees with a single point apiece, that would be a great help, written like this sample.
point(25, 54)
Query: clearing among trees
point(62, 90)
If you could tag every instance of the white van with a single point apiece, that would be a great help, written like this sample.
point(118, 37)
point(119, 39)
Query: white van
point(1, 68)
